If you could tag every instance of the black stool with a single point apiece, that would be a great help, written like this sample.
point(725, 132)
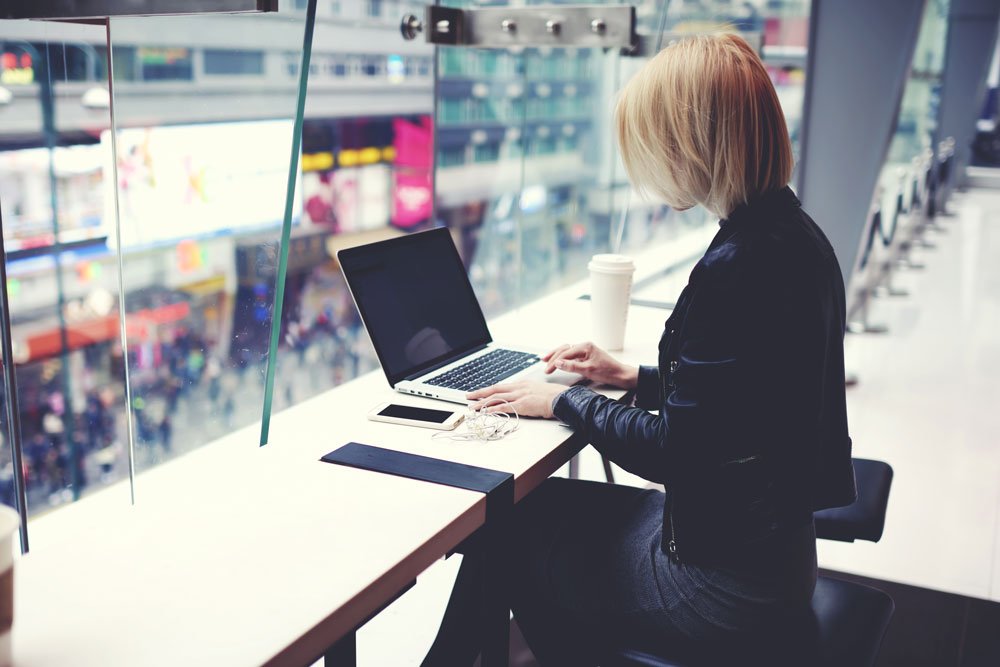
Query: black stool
point(850, 619)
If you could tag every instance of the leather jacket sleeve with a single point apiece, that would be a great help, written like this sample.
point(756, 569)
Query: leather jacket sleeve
point(648, 390)
point(703, 388)
point(631, 437)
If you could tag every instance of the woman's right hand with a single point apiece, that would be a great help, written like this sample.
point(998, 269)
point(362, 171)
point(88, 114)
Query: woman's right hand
point(592, 363)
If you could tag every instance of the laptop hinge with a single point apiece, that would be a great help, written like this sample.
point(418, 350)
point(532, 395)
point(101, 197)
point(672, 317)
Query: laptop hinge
point(442, 364)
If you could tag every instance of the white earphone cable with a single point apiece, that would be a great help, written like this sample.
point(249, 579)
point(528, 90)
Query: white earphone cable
point(484, 426)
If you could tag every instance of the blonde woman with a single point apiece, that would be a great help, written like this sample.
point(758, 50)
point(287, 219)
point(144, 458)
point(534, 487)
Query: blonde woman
point(751, 433)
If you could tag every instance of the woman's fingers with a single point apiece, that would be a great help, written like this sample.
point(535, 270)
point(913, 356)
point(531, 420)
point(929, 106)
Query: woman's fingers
point(579, 351)
point(571, 366)
point(486, 392)
point(502, 400)
point(503, 407)
point(493, 391)
point(548, 355)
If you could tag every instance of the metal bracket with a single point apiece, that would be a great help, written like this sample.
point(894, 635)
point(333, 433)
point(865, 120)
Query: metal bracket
point(582, 26)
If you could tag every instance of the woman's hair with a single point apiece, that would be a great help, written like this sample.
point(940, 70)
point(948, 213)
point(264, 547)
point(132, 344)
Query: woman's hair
point(700, 123)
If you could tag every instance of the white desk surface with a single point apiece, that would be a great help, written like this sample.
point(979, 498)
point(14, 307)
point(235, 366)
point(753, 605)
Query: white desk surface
point(239, 555)
point(233, 557)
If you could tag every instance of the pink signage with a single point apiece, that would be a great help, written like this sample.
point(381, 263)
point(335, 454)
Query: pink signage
point(412, 195)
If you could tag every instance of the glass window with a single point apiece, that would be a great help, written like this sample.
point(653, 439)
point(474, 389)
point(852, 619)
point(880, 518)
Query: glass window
point(902, 181)
point(165, 63)
point(488, 152)
point(374, 8)
point(451, 156)
point(67, 61)
point(202, 175)
point(234, 63)
point(126, 63)
point(292, 64)
point(373, 65)
point(17, 64)
point(61, 310)
point(556, 191)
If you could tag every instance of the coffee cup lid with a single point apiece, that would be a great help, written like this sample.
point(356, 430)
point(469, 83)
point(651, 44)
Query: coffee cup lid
point(609, 263)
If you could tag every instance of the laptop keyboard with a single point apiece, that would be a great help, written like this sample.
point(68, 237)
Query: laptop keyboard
point(484, 371)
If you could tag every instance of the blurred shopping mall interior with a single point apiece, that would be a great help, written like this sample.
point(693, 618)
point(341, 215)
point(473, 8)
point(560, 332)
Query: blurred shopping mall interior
point(150, 166)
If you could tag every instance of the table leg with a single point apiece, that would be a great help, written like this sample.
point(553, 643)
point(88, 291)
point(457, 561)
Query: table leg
point(574, 467)
point(609, 474)
point(495, 600)
point(344, 653)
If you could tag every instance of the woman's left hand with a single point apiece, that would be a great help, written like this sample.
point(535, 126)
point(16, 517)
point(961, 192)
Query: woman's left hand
point(529, 399)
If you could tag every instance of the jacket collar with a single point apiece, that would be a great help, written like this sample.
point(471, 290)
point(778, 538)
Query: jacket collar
point(763, 204)
point(757, 208)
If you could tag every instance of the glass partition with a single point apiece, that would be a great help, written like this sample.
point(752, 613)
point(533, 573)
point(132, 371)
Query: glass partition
point(780, 27)
point(196, 176)
point(917, 122)
point(901, 186)
point(53, 109)
point(366, 175)
point(204, 109)
point(212, 230)
point(525, 236)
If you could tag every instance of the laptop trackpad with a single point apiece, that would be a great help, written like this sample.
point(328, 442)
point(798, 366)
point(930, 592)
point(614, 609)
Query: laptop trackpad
point(557, 377)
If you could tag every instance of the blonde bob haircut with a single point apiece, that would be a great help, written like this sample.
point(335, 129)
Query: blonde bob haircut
point(700, 123)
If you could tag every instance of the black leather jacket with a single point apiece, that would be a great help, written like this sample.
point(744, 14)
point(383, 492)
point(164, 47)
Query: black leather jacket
point(751, 435)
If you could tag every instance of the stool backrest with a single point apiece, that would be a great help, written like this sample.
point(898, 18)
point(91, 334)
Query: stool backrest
point(864, 519)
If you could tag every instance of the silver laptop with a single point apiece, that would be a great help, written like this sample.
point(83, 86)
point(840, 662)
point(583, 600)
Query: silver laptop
point(424, 321)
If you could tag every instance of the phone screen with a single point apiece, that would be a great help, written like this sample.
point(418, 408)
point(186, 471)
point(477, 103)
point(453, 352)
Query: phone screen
point(415, 414)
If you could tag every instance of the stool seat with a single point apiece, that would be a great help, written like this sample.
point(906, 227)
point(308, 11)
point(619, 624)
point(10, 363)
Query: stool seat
point(851, 619)
point(863, 519)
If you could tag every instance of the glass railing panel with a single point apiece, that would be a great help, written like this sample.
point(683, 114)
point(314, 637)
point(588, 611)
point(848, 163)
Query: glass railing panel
point(366, 175)
point(485, 103)
point(779, 27)
point(528, 175)
point(60, 277)
point(204, 110)
point(576, 199)
point(914, 136)
point(917, 122)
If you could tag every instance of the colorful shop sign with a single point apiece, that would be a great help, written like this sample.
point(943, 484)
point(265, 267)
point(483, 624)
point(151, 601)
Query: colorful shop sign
point(16, 69)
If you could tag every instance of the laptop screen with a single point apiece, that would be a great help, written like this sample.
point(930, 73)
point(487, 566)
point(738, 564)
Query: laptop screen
point(416, 301)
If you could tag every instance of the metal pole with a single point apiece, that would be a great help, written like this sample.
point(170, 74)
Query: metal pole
point(10, 389)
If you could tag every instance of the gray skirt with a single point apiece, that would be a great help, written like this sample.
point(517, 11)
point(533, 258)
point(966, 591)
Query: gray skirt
point(590, 574)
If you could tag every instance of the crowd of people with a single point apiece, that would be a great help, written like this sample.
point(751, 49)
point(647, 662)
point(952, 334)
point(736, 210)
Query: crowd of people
point(185, 391)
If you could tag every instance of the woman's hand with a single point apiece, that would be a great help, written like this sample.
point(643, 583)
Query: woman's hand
point(529, 399)
point(592, 363)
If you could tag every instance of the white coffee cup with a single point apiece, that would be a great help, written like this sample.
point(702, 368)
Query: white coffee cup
point(610, 288)
point(9, 521)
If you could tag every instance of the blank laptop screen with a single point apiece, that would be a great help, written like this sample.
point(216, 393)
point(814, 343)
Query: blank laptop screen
point(416, 301)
